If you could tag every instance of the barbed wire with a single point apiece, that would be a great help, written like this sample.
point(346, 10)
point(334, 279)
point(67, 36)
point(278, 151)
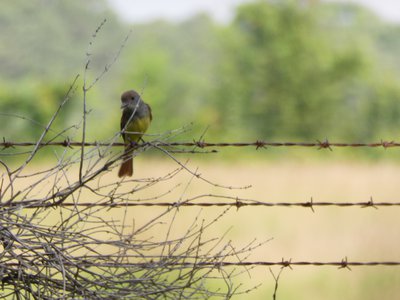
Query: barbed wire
point(344, 263)
point(83, 251)
point(238, 204)
point(202, 144)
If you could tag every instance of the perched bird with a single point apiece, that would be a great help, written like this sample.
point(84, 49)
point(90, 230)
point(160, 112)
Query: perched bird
point(136, 118)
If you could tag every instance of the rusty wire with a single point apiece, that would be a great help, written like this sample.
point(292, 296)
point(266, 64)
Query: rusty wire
point(237, 204)
point(326, 144)
point(344, 263)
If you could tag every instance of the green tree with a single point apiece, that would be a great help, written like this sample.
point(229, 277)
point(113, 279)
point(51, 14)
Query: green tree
point(284, 78)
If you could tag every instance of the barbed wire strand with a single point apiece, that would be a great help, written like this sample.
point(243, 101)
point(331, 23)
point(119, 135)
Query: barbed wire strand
point(344, 263)
point(201, 144)
point(238, 204)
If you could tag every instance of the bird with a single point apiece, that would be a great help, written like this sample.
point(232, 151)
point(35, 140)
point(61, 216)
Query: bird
point(135, 120)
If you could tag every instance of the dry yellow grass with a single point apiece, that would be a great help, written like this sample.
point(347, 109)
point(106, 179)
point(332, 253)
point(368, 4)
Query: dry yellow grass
point(328, 234)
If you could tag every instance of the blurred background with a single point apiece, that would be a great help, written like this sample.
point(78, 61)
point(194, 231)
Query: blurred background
point(298, 70)
point(245, 71)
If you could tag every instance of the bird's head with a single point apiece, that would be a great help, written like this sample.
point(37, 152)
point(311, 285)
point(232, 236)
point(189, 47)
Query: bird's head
point(130, 99)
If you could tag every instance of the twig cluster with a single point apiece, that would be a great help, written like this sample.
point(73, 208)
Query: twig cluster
point(53, 247)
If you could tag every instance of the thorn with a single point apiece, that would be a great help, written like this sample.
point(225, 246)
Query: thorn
point(310, 204)
point(386, 144)
point(344, 264)
point(239, 204)
point(67, 143)
point(200, 144)
point(286, 263)
point(324, 145)
point(260, 144)
point(177, 205)
point(7, 144)
point(370, 203)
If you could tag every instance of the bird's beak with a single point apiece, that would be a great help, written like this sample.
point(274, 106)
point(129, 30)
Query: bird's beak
point(123, 105)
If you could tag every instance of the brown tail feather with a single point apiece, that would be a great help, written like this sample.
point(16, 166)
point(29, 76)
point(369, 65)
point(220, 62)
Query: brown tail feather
point(126, 168)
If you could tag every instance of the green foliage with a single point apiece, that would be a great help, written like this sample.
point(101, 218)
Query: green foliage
point(46, 40)
point(25, 112)
point(279, 70)
point(292, 80)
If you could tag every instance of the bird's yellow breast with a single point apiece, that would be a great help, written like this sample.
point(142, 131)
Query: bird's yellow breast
point(136, 128)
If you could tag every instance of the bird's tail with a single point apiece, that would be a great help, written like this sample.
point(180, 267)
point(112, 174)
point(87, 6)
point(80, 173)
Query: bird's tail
point(126, 168)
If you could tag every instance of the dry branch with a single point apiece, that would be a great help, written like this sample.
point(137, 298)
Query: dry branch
point(53, 247)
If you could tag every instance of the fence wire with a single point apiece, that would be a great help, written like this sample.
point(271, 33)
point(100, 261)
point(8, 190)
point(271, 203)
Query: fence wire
point(238, 204)
point(344, 263)
point(58, 245)
point(326, 144)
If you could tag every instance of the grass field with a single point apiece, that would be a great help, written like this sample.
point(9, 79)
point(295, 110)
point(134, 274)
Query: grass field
point(296, 233)
point(328, 234)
